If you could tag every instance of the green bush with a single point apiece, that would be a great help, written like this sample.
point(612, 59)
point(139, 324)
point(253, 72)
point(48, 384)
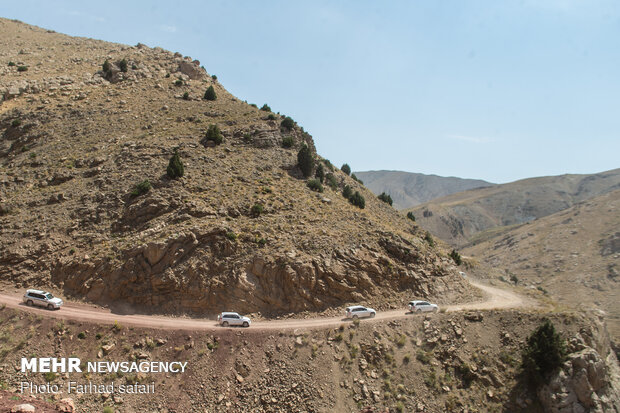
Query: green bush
point(179, 82)
point(320, 173)
point(186, 96)
point(210, 93)
point(271, 116)
point(175, 166)
point(356, 179)
point(22, 68)
point(385, 198)
point(288, 142)
point(231, 235)
point(315, 185)
point(305, 160)
point(331, 181)
point(106, 67)
point(346, 169)
point(411, 216)
point(16, 123)
point(81, 335)
point(214, 77)
point(123, 65)
point(254, 105)
point(544, 353)
point(266, 108)
point(12, 64)
point(257, 209)
point(429, 239)
point(347, 192)
point(514, 279)
point(456, 257)
point(358, 200)
point(141, 188)
point(214, 134)
point(288, 123)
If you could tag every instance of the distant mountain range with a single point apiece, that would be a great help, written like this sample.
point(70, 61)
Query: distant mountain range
point(410, 189)
point(471, 216)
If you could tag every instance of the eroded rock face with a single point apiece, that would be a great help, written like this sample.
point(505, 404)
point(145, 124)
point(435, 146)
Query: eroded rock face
point(203, 272)
point(588, 382)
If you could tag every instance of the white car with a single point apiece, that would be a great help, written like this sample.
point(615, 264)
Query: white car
point(233, 319)
point(357, 311)
point(42, 299)
point(417, 306)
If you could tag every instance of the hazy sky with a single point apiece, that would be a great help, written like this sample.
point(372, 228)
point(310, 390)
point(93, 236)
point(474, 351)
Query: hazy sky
point(497, 90)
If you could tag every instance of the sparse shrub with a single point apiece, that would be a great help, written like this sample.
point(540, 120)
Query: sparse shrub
point(186, 96)
point(305, 160)
point(266, 108)
point(514, 279)
point(247, 138)
point(81, 335)
point(271, 116)
point(117, 326)
point(430, 379)
point(175, 166)
point(402, 339)
point(257, 209)
point(423, 356)
point(12, 64)
point(16, 123)
point(49, 376)
point(400, 407)
point(456, 257)
point(254, 105)
point(545, 352)
point(214, 134)
point(358, 200)
point(22, 68)
point(338, 337)
point(315, 185)
point(411, 216)
point(231, 236)
point(507, 358)
point(331, 181)
point(465, 373)
point(429, 239)
point(98, 336)
point(356, 179)
point(346, 169)
point(406, 358)
point(141, 188)
point(123, 65)
point(210, 93)
point(385, 198)
point(214, 77)
point(320, 173)
point(288, 142)
point(288, 123)
point(347, 192)
point(329, 165)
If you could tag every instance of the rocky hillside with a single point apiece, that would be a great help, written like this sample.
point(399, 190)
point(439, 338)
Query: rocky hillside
point(240, 230)
point(409, 189)
point(440, 363)
point(480, 213)
point(574, 255)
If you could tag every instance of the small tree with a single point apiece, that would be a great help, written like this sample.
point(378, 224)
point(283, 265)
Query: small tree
point(288, 142)
point(331, 181)
point(356, 179)
point(385, 198)
point(123, 65)
point(288, 123)
point(266, 108)
point(106, 67)
point(175, 166)
point(358, 200)
point(141, 188)
point(346, 169)
point(305, 160)
point(347, 192)
point(320, 172)
point(456, 257)
point(210, 93)
point(257, 209)
point(411, 216)
point(214, 134)
point(315, 185)
point(545, 352)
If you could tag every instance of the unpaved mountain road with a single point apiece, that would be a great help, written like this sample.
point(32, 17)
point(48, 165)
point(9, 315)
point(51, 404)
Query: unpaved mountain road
point(496, 298)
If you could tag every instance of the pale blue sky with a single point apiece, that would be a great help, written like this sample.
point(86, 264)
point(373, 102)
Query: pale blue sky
point(497, 90)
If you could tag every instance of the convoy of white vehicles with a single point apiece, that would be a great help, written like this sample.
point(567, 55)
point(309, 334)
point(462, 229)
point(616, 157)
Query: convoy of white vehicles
point(229, 319)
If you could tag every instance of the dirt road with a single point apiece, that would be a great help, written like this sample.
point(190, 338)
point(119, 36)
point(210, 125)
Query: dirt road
point(495, 298)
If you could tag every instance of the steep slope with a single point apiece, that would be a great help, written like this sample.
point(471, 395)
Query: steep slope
point(409, 189)
point(573, 254)
point(241, 229)
point(459, 218)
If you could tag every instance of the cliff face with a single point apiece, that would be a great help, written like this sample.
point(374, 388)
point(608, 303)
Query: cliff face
point(241, 229)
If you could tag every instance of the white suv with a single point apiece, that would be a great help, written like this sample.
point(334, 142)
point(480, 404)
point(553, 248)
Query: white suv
point(42, 299)
point(422, 306)
point(233, 319)
point(357, 311)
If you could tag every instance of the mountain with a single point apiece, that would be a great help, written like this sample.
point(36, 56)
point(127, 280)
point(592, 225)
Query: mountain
point(573, 254)
point(468, 216)
point(409, 189)
point(88, 131)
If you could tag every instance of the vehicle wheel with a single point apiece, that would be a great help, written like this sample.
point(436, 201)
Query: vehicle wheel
point(225, 324)
point(246, 324)
point(372, 315)
point(50, 307)
point(354, 317)
point(419, 310)
point(435, 309)
point(29, 303)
